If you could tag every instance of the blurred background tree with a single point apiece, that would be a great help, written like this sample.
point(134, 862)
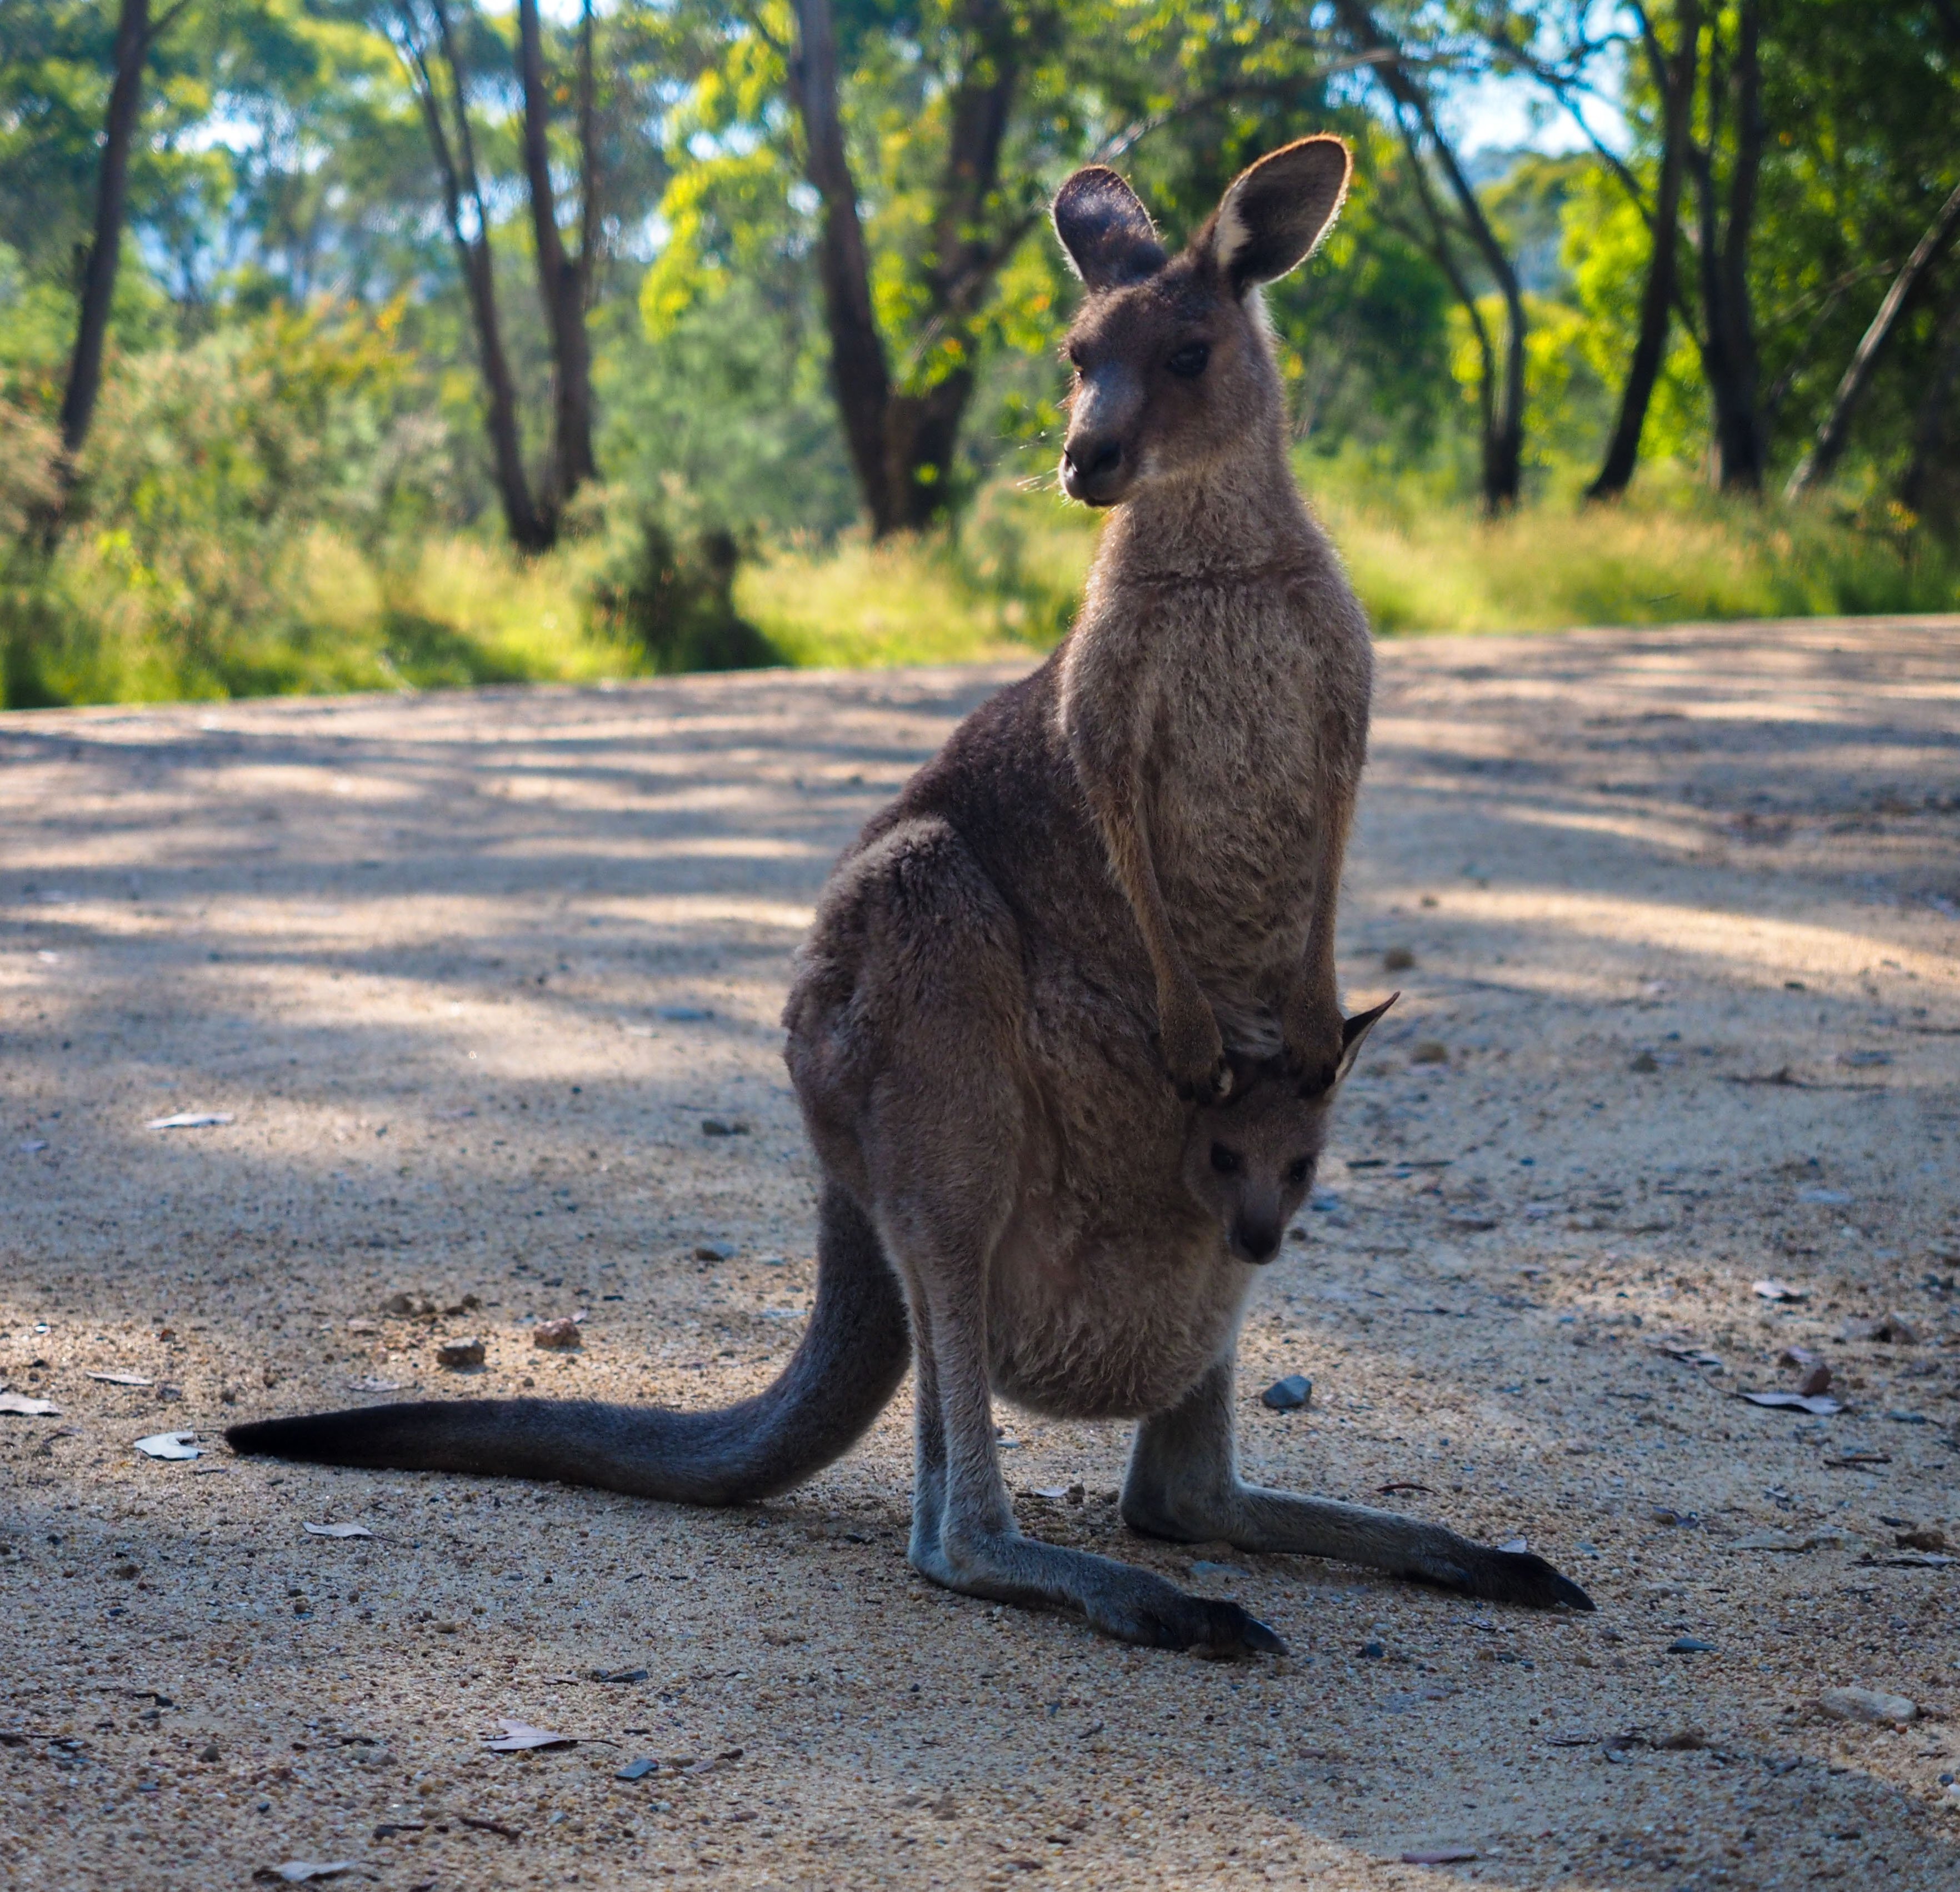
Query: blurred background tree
point(351, 342)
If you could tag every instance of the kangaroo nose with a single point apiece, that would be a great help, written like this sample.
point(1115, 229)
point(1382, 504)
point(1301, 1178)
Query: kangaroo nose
point(1091, 463)
point(1257, 1240)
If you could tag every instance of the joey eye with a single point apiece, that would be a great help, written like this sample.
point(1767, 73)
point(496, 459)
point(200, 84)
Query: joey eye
point(1225, 1161)
point(1298, 1173)
point(1188, 362)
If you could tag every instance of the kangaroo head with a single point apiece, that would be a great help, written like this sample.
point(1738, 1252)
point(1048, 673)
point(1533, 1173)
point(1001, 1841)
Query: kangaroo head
point(1173, 372)
point(1251, 1157)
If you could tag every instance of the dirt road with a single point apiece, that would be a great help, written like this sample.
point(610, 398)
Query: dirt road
point(477, 981)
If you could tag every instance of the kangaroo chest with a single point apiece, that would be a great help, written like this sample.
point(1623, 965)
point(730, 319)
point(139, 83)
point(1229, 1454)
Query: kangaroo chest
point(1253, 706)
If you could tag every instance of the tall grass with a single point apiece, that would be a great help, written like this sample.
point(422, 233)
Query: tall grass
point(176, 603)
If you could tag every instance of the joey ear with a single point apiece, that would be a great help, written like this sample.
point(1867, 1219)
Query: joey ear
point(1353, 1034)
point(1104, 228)
point(1274, 213)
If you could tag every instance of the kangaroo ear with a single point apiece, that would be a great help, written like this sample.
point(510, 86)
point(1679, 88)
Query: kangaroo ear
point(1104, 228)
point(1273, 215)
point(1353, 1034)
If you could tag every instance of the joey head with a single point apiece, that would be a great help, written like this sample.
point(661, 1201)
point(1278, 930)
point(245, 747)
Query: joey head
point(1116, 868)
point(1251, 1158)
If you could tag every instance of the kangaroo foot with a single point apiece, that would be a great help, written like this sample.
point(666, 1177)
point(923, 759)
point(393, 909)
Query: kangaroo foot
point(1119, 1600)
point(1500, 1576)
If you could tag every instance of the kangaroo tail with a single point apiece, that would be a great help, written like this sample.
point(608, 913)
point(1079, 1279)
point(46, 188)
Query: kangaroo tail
point(852, 1359)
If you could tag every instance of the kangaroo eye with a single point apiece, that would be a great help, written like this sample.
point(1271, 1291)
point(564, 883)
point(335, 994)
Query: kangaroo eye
point(1297, 1174)
point(1225, 1161)
point(1188, 362)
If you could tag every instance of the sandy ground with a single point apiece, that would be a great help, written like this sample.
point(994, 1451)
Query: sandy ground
point(471, 974)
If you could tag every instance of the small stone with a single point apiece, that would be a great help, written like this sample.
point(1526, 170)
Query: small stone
point(1397, 959)
point(1077, 1495)
point(1689, 1645)
point(1892, 1329)
point(637, 1769)
point(1430, 1051)
point(1290, 1394)
point(1371, 1651)
point(1816, 1380)
point(1646, 1063)
point(210, 1752)
point(1868, 1704)
point(409, 1306)
point(714, 1251)
point(1920, 1540)
point(456, 1354)
point(715, 1126)
point(558, 1335)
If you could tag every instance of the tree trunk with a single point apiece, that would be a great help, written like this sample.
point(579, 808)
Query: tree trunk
point(858, 371)
point(1831, 436)
point(1729, 348)
point(1931, 486)
point(532, 528)
point(562, 279)
point(98, 283)
point(904, 441)
point(1674, 80)
point(1504, 427)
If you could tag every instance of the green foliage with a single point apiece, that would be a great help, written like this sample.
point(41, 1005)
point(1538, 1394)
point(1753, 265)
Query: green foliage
point(287, 485)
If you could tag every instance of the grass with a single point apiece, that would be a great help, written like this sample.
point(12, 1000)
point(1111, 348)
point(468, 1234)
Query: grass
point(316, 612)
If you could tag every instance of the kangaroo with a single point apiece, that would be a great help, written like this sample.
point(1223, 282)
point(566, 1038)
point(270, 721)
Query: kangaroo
point(1065, 1033)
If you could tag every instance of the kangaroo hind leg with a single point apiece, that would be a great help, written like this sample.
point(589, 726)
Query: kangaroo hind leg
point(1183, 1484)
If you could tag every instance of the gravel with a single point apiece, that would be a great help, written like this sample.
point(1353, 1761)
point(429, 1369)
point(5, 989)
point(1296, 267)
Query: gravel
point(468, 974)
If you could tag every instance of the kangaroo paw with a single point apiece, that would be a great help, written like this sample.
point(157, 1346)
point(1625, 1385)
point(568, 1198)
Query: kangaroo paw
point(1203, 1625)
point(1502, 1576)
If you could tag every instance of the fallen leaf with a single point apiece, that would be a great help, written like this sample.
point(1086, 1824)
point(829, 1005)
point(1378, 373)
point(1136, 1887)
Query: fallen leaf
point(1686, 1350)
point(337, 1530)
point(1820, 1403)
point(1911, 1560)
point(122, 1379)
point(1774, 1290)
point(1689, 1645)
point(490, 1826)
point(1868, 1704)
point(1440, 1855)
point(206, 1120)
point(298, 1872)
point(1851, 1461)
point(520, 1737)
point(22, 1407)
point(1792, 1540)
point(169, 1445)
point(619, 1675)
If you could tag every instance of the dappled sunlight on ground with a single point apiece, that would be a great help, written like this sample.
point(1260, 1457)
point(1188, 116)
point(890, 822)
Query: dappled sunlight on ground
point(1674, 916)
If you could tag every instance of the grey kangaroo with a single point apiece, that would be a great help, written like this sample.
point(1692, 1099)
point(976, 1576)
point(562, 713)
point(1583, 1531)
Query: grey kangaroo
point(1065, 1033)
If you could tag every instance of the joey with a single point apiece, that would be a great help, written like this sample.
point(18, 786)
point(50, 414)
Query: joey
point(1065, 1033)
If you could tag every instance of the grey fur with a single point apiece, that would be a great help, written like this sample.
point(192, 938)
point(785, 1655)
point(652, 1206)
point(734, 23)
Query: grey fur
point(1009, 1028)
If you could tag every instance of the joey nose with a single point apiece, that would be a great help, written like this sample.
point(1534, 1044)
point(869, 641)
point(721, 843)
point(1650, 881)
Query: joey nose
point(1257, 1239)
